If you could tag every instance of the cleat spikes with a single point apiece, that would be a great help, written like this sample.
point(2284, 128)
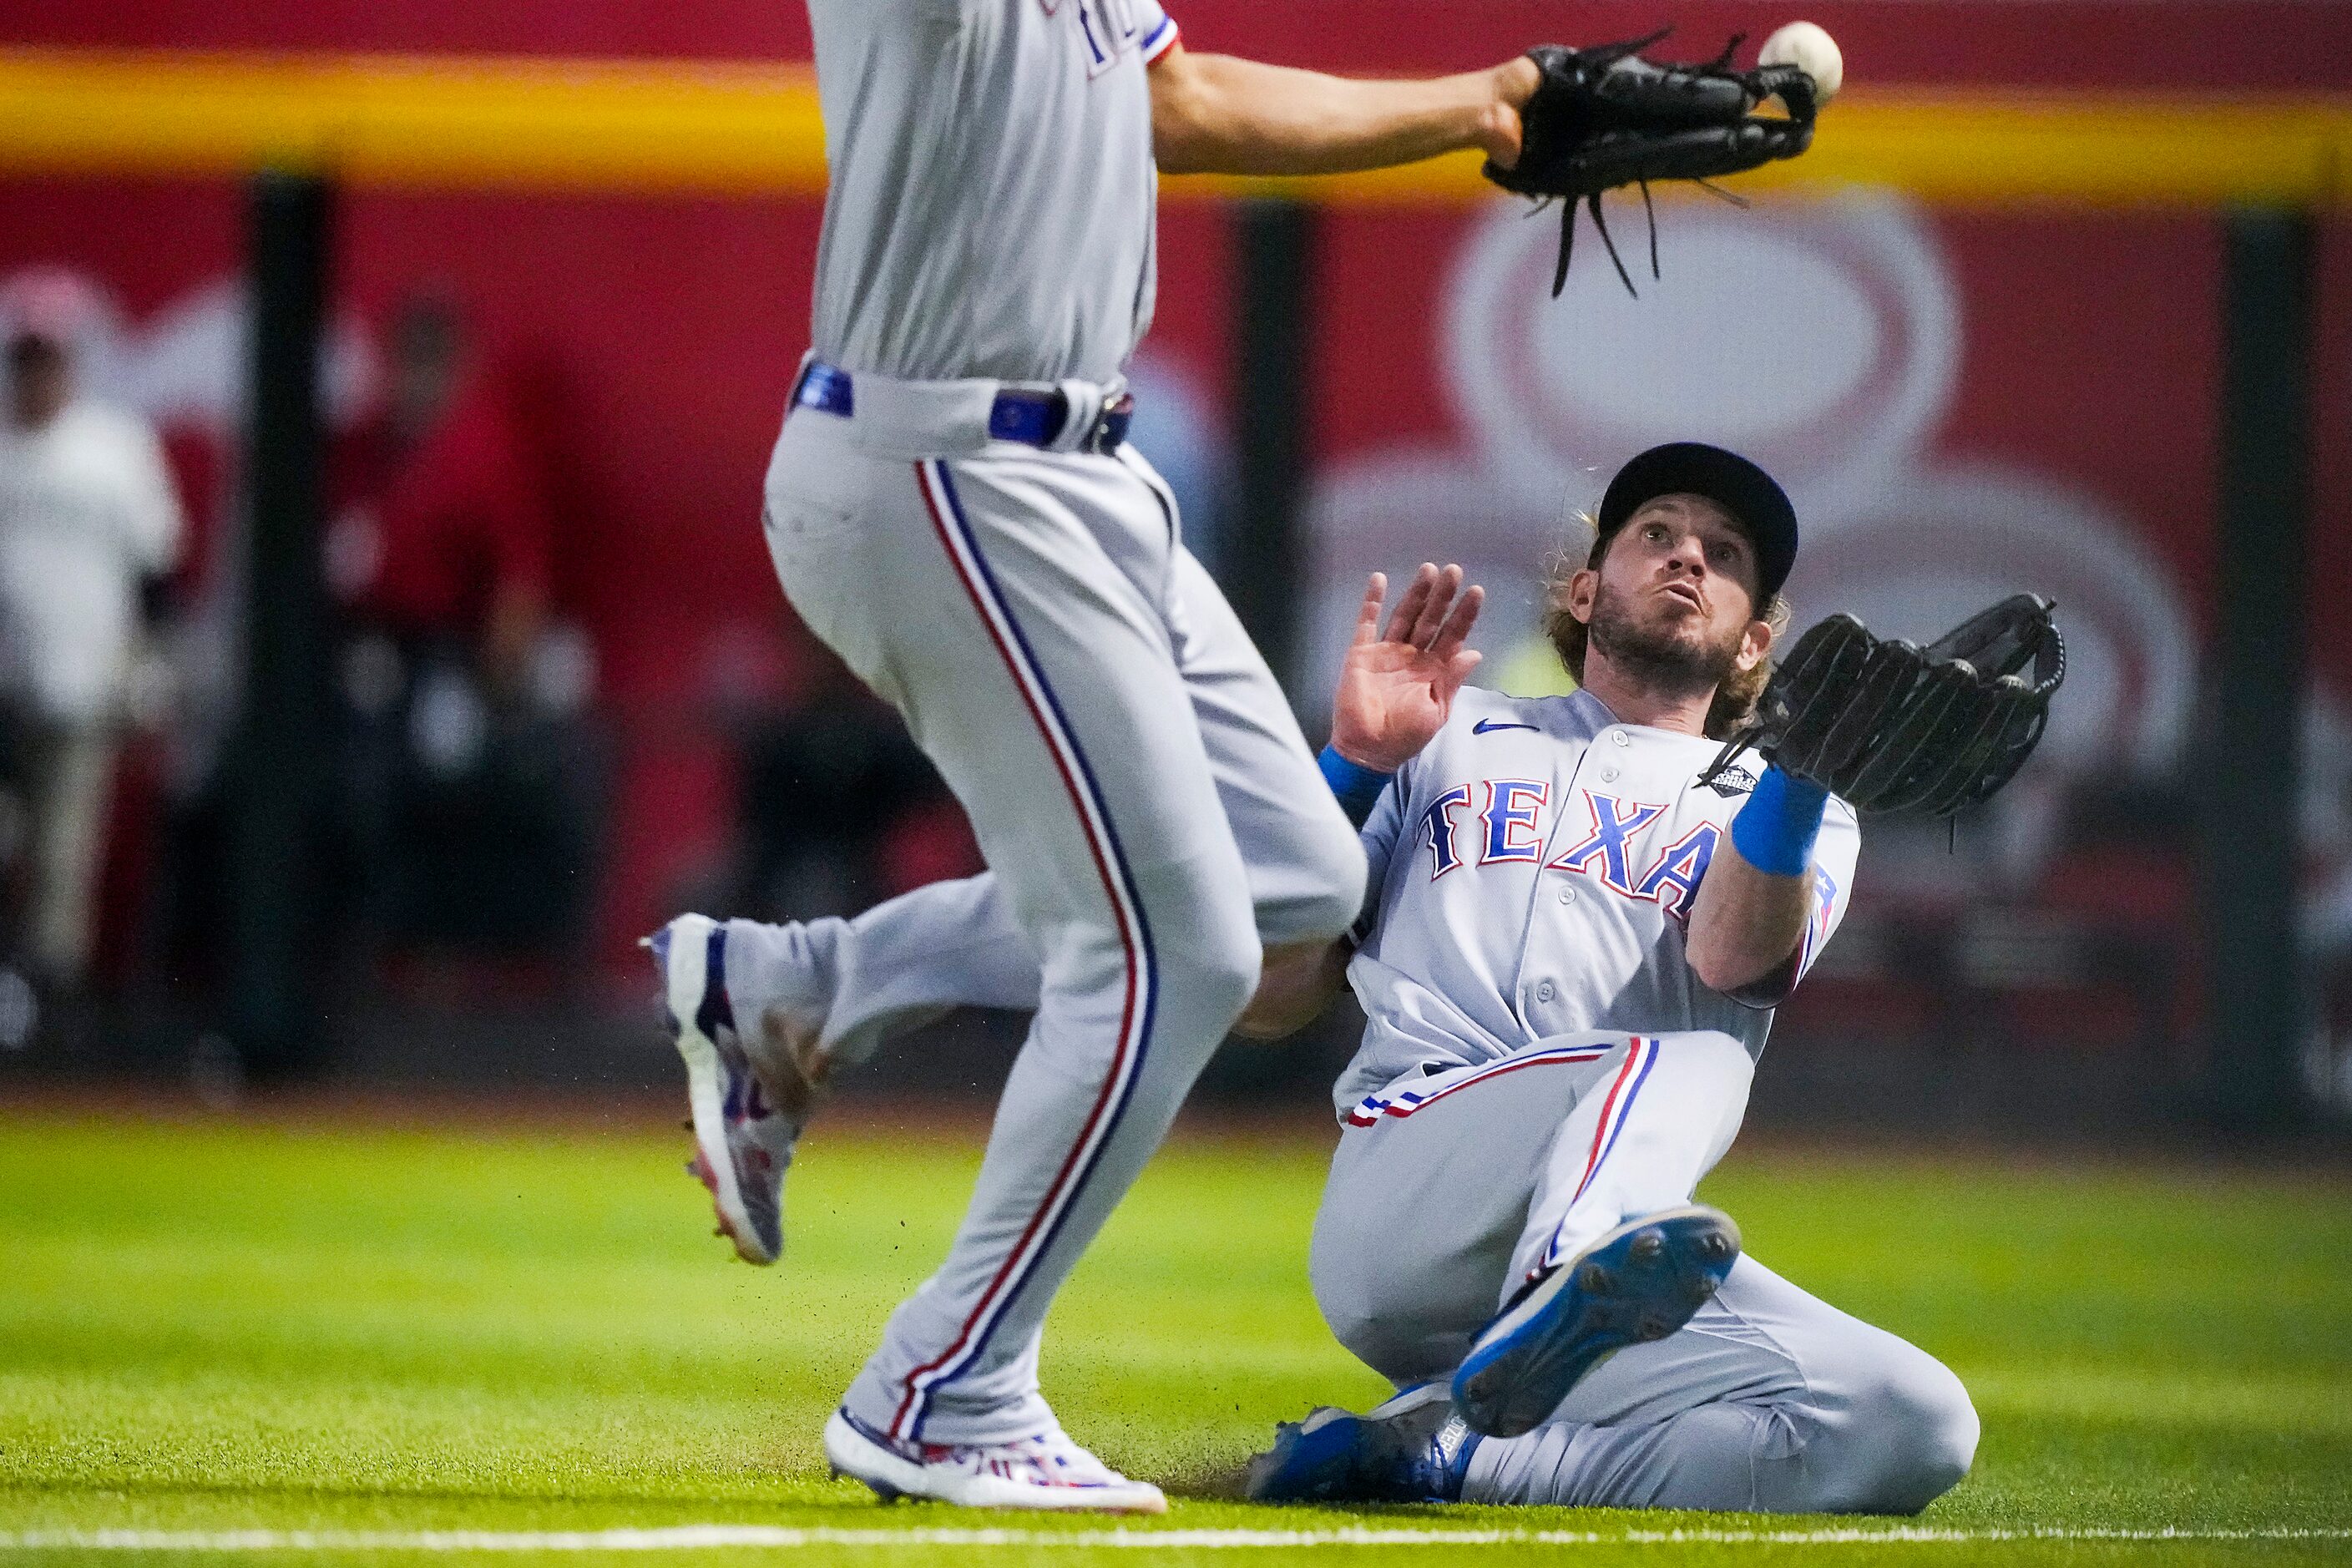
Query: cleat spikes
point(743, 1133)
point(1638, 1284)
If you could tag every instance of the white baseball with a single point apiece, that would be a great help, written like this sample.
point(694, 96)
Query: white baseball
point(1808, 47)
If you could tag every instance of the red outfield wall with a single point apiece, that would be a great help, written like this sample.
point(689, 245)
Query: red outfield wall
point(1958, 397)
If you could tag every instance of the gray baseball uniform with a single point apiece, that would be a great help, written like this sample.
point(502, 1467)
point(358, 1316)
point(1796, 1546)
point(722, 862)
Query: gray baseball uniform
point(1540, 1064)
point(992, 198)
point(949, 508)
point(1536, 865)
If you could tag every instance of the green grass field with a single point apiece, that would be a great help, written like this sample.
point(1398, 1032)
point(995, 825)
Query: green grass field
point(360, 1328)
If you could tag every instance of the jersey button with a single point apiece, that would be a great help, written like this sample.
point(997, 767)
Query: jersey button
point(1567, 895)
point(1608, 776)
point(1544, 991)
point(1620, 737)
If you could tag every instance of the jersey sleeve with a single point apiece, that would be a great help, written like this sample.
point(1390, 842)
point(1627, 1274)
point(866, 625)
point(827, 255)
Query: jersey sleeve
point(1379, 834)
point(1836, 853)
point(1381, 829)
point(1155, 29)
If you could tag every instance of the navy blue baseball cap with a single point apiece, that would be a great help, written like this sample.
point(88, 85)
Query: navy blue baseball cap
point(1726, 479)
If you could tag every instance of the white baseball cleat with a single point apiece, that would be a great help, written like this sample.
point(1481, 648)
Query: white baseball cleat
point(746, 1117)
point(1047, 1471)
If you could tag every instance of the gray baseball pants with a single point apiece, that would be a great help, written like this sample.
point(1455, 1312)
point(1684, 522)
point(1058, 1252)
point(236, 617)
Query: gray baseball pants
point(1769, 1399)
point(1448, 1188)
point(1068, 668)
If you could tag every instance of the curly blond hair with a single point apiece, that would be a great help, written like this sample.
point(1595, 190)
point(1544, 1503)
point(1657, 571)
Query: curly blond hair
point(1735, 700)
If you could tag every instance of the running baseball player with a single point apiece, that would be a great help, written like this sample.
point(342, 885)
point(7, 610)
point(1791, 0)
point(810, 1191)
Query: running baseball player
point(952, 508)
point(1579, 925)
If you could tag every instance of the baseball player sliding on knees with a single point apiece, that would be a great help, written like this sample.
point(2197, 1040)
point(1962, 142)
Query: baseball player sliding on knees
point(952, 509)
point(1568, 960)
point(1569, 963)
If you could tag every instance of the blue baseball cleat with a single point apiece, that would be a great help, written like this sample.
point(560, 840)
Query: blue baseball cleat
point(1414, 1448)
point(1640, 1281)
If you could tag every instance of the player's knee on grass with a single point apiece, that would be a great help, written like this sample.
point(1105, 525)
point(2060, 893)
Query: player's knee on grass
point(1407, 1319)
point(1907, 1436)
point(1405, 1348)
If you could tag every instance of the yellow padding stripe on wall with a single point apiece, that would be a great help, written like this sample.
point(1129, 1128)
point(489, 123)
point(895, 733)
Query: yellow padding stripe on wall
point(647, 127)
point(742, 129)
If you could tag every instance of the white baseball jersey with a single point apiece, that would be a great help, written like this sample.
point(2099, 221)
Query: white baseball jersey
point(86, 510)
point(1534, 868)
point(992, 193)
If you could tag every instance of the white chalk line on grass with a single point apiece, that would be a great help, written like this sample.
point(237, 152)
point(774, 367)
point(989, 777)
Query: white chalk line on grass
point(705, 1537)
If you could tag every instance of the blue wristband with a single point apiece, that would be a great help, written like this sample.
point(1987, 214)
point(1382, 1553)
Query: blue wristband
point(1357, 787)
point(1776, 829)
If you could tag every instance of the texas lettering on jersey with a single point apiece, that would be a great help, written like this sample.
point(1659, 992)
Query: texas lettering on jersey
point(1490, 928)
point(1614, 844)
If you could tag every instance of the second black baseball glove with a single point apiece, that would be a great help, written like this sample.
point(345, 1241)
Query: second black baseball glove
point(1605, 117)
point(1887, 725)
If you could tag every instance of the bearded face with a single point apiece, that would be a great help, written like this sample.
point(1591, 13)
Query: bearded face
point(1660, 643)
point(1671, 599)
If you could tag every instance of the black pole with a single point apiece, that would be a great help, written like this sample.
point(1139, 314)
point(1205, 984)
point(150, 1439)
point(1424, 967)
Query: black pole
point(1261, 557)
point(2251, 764)
point(278, 764)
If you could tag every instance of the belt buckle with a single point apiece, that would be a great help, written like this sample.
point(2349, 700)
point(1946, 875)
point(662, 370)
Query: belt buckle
point(1111, 425)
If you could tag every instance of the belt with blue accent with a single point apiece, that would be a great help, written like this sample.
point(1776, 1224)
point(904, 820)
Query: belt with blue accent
point(1032, 418)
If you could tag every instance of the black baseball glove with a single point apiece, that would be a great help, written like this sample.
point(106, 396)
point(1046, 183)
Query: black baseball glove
point(1891, 726)
point(1605, 117)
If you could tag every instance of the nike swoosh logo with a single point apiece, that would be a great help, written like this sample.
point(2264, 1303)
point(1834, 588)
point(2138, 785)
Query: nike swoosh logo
point(1489, 726)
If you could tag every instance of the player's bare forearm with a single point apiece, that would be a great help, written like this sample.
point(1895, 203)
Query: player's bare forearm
point(1298, 981)
point(1745, 924)
point(1217, 114)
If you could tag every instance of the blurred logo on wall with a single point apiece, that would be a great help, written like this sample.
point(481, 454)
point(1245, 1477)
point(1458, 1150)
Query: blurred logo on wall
point(186, 363)
point(1822, 339)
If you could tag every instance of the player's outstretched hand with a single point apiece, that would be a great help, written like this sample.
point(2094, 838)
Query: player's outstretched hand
point(1397, 687)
